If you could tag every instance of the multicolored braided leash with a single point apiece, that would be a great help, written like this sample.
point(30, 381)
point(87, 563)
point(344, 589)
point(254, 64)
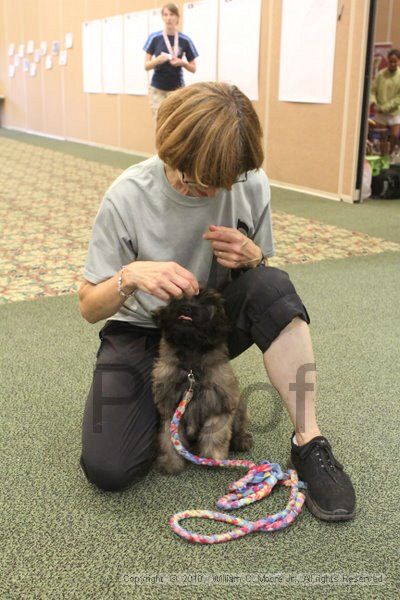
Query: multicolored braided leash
point(258, 483)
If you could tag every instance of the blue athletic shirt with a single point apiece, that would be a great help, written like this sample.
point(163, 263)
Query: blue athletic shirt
point(166, 77)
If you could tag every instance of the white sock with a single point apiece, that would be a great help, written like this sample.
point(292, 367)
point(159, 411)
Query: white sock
point(295, 440)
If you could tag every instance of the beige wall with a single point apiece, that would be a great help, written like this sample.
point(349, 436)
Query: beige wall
point(315, 145)
point(387, 25)
point(312, 147)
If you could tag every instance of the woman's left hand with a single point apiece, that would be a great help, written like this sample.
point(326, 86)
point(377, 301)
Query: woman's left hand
point(177, 62)
point(232, 248)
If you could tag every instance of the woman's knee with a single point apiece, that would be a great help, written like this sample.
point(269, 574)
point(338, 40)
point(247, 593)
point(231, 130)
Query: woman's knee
point(271, 303)
point(114, 477)
point(266, 285)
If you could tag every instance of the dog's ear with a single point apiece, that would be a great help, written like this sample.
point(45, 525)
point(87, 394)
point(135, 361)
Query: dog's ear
point(213, 294)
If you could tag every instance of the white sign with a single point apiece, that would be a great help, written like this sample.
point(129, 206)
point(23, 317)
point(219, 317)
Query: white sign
point(135, 36)
point(238, 44)
point(200, 23)
point(62, 59)
point(112, 55)
point(91, 52)
point(69, 40)
point(308, 39)
point(155, 20)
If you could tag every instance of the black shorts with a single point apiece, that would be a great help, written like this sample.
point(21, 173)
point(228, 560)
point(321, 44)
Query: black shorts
point(120, 421)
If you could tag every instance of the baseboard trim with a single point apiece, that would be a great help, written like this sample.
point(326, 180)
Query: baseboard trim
point(273, 182)
point(311, 191)
point(78, 141)
point(112, 148)
point(33, 132)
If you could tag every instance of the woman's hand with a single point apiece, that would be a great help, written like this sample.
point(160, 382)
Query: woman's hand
point(161, 279)
point(152, 63)
point(232, 248)
point(163, 58)
point(177, 62)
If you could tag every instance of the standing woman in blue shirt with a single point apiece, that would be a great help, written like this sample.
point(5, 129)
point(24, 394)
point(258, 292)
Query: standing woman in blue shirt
point(164, 53)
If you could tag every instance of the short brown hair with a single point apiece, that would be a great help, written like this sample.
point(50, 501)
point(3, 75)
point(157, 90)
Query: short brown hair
point(211, 132)
point(393, 52)
point(172, 8)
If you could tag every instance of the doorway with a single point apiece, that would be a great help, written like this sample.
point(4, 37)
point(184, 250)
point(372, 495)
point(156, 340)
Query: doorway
point(378, 171)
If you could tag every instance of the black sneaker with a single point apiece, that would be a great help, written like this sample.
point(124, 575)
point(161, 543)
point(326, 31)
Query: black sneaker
point(330, 494)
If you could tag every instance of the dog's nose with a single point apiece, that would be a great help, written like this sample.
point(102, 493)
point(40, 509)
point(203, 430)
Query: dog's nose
point(185, 309)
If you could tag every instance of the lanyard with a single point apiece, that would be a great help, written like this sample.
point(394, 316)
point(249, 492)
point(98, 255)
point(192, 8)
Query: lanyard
point(173, 51)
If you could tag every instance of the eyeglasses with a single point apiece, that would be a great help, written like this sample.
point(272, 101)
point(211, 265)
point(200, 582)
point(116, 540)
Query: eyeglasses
point(205, 187)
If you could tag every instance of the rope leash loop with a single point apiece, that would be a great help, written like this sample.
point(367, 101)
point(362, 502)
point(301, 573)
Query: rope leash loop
point(258, 482)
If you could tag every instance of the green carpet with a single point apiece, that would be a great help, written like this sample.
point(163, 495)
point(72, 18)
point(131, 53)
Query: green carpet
point(63, 538)
point(380, 218)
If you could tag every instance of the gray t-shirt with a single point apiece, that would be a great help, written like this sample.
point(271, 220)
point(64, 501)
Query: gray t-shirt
point(142, 217)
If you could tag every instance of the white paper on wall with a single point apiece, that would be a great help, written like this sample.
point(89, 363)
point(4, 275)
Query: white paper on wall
point(69, 40)
point(21, 50)
point(307, 50)
point(63, 58)
point(92, 57)
point(16, 60)
point(11, 71)
point(43, 48)
point(155, 20)
point(33, 69)
point(25, 65)
point(36, 56)
point(48, 62)
point(30, 47)
point(238, 44)
point(11, 50)
point(135, 36)
point(200, 23)
point(112, 54)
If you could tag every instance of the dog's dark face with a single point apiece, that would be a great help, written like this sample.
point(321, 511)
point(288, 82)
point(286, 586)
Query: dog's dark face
point(199, 323)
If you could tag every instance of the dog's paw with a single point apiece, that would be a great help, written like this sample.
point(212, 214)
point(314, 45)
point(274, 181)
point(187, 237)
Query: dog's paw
point(241, 442)
point(171, 466)
point(215, 454)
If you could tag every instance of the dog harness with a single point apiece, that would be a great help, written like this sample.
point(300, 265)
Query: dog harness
point(258, 483)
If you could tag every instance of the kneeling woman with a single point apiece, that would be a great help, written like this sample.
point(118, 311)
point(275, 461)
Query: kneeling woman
point(196, 213)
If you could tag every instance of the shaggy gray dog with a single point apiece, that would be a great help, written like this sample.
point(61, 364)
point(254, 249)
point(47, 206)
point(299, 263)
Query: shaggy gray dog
point(193, 338)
